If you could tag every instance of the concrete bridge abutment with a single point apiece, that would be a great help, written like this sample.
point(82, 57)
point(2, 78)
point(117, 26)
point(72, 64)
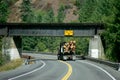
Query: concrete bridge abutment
point(96, 49)
point(12, 46)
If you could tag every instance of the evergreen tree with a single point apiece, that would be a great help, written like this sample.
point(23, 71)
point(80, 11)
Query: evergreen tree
point(110, 15)
point(39, 17)
point(26, 11)
point(51, 16)
point(3, 11)
point(112, 35)
point(40, 47)
point(79, 3)
point(86, 10)
point(61, 14)
point(48, 17)
point(108, 12)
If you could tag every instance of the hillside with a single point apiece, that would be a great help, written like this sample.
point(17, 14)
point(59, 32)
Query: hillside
point(45, 5)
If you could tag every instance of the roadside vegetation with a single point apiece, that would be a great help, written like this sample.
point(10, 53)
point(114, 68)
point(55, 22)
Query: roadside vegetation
point(5, 63)
point(11, 65)
point(107, 12)
point(4, 58)
point(1, 58)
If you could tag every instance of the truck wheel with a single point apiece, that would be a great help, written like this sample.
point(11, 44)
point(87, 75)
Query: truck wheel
point(58, 58)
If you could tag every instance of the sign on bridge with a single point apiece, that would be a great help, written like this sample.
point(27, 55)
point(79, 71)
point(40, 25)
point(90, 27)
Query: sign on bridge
point(68, 32)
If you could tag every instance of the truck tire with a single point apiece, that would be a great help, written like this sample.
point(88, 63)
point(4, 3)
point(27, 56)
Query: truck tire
point(58, 58)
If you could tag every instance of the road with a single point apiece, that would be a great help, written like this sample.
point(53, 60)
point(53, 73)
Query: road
point(47, 67)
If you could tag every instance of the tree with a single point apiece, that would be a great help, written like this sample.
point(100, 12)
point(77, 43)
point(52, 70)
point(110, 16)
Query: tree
point(108, 12)
point(29, 43)
point(82, 46)
point(4, 11)
point(61, 14)
point(40, 47)
point(86, 10)
point(49, 17)
point(26, 11)
point(112, 35)
point(112, 32)
point(39, 17)
point(96, 11)
point(78, 3)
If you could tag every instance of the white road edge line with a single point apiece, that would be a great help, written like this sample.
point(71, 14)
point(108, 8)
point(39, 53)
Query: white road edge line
point(29, 72)
point(113, 78)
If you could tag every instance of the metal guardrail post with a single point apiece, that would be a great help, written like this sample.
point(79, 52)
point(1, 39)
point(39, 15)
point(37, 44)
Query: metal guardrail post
point(26, 61)
point(119, 67)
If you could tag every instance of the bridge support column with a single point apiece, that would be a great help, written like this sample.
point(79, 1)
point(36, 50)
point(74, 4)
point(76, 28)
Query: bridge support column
point(18, 43)
point(96, 49)
point(9, 48)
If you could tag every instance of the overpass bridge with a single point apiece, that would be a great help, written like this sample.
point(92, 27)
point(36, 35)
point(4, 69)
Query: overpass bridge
point(12, 33)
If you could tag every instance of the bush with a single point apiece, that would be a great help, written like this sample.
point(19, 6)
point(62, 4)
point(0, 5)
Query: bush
point(1, 51)
point(3, 58)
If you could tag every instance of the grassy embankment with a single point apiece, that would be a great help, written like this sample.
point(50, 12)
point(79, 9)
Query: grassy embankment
point(11, 65)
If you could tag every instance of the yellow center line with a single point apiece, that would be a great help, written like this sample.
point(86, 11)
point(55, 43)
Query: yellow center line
point(69, 71)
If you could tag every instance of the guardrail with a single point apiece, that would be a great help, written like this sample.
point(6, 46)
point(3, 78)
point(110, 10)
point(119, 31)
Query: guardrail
point(48, 53)
point(108, 63)
point(30, 61)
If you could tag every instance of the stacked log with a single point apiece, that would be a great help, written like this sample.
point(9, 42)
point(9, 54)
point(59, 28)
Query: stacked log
point(69, 46)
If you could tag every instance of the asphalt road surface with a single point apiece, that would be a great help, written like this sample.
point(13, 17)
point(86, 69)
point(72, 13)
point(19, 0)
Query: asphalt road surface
point(47, 67)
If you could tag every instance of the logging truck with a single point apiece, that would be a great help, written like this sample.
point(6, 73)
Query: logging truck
point(66, 51)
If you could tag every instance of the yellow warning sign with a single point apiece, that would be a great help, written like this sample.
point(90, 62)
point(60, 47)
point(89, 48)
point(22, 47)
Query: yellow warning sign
point(68, 33)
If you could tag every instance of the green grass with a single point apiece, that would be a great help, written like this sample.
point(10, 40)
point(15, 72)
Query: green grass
point(11, 65)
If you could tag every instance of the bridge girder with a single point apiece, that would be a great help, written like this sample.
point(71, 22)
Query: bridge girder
point(50, 29)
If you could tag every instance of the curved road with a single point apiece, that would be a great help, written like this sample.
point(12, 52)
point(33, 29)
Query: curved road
point(47, 67)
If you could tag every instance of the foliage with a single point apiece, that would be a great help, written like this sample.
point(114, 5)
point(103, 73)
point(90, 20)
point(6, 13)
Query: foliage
point(51, 16)
point(40, 47)
point(78, 3)
point(29, 43)
point(26, 11)
point(4, 11)
point(4, 58)
point(82, 46)
point(28, 14)
point(108, 12)
point(48, 17)
point(61, 14)
point(51, 44)
point(112, 36)
point(96, 11)
point(39, 15)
